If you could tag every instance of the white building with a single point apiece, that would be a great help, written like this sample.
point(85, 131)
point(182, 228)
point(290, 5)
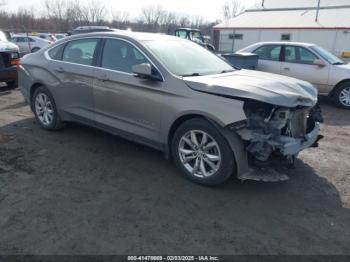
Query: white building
point(331, 30)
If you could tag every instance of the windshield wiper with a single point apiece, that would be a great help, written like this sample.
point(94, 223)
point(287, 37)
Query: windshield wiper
point(193, 74)
point(338, 63)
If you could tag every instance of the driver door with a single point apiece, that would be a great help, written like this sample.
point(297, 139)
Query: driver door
point(298, 62)
point(123, 102)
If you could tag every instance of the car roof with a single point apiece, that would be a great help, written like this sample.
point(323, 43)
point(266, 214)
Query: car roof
point(128, 34)
point(284, 43)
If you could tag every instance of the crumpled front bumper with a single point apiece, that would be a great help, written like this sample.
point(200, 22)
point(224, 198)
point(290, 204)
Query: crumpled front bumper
point(293, 146)
point(289, 147)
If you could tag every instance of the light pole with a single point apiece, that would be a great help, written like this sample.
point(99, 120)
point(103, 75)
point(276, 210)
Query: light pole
point(318, 10)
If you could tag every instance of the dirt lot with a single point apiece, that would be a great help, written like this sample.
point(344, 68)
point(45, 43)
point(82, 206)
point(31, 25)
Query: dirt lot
point(82, 191)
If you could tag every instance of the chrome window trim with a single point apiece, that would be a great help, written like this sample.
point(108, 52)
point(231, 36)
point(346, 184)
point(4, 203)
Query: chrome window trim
point(47, 56)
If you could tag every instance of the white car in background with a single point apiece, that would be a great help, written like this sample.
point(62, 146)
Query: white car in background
point(47, 36)
point(29, 44)
point(308, 62)
point(60, 36)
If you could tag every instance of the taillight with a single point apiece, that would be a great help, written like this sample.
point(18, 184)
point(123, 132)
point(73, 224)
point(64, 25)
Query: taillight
point(14, 61)
point(18, 65)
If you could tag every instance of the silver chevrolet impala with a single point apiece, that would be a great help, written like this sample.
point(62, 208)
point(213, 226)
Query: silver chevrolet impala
point(213, 120)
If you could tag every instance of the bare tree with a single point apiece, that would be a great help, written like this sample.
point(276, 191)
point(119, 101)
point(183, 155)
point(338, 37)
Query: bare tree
point(120, 17)
point(152, 14)
point(197, 21)
point(232, 8)
point(95, 12)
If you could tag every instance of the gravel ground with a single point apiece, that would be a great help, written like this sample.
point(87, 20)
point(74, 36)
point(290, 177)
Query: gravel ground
point(82, 191)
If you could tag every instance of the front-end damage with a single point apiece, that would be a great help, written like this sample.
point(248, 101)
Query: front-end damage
point(274, 136)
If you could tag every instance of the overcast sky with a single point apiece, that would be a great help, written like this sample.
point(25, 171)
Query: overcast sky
point(209, 9)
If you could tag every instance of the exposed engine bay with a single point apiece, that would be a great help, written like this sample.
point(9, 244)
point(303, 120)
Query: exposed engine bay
point(274, 136)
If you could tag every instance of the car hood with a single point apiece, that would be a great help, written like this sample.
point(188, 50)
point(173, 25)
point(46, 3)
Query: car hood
point(269, 88)
point(8, 47)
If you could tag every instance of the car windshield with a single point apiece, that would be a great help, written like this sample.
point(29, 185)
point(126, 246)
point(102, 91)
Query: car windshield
point(332, 59)
point(185, 58)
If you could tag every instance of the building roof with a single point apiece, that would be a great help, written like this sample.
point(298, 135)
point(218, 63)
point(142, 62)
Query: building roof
point(299, 3)
point(336, 17)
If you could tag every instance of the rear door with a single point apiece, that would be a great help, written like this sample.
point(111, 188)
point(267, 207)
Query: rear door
point(298, 62)
point(74, 69)
point(124, 102)
point(269, 58)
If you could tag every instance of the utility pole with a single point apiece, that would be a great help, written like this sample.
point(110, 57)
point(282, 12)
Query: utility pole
point(318, 10)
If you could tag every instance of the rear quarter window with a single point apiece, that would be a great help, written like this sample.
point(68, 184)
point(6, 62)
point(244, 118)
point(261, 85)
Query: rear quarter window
point(56, 52)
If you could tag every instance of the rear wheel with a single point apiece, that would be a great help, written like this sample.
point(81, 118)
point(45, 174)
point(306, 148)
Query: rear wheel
point(45, 110)
point(342, 95)
point(202, 153)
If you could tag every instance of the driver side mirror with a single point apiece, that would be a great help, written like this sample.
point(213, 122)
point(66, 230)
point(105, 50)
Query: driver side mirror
point(319, 63)
point(145, 71)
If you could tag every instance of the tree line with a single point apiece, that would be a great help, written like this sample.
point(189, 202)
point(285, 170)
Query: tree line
point(64, 15)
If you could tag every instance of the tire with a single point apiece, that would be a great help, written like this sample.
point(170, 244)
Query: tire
point(45, 110)
point(200, 163)
point(35, 49)
point(341, 95)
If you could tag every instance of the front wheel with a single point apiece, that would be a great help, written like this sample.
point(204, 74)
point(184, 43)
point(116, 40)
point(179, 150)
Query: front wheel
point(202, 153)
point(342, 95)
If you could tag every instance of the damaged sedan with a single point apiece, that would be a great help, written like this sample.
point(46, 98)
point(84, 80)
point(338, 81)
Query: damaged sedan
point(213, 120)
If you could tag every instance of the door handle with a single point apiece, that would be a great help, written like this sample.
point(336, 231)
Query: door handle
point(103, 78)
point(60, 70)
point(286, 68)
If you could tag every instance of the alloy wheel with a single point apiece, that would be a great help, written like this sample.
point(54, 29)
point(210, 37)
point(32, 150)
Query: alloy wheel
point(199, 153)
point(344, 97)
point(44, 109)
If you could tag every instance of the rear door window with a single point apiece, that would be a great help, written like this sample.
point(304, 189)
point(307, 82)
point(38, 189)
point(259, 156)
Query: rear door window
point(80, 51)
point(269, 52)
point(21, 40)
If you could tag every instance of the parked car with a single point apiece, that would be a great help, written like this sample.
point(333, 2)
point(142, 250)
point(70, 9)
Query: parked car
point(90, 29)
point(194, 35)
point(9, 57)
point(47, 36)
point(308, 62)
point(177, 97)
point(29, 44)
point(60, 36)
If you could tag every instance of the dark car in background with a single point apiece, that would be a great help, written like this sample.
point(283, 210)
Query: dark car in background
point(9, 58)
point(89, 29)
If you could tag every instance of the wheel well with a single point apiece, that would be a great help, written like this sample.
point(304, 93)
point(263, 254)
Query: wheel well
point(337, 85)
point(32, 90)
point(175, 126)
